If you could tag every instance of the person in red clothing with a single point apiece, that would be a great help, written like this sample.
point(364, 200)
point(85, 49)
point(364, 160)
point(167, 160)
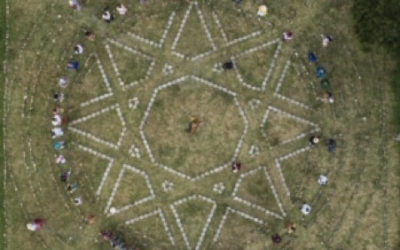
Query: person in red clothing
point(236, 166)
point(36, 225)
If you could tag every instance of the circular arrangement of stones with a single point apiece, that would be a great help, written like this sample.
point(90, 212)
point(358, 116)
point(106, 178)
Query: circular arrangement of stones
point(207, 170)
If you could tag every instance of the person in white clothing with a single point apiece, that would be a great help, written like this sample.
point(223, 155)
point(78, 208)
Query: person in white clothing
point(57, 120)
point(122, 9)
point(61, 159)
point(57, 132)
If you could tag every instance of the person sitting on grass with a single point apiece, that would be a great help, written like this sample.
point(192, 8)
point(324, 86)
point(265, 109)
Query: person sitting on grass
point(276, 239)
point(227, 65)
point(75, 5)
point(65, 176)
point(60, 160)
point(107, 16)
point(58, 145)
point(121, 9)
point(73, 65)
point(57, 132)
point(72, 187)
point(90, 35)
point(314, 140)
point(78, 49)
point(236, 166)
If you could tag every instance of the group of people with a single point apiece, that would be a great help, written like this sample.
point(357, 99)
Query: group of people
point(108, 16)
point(59, 121)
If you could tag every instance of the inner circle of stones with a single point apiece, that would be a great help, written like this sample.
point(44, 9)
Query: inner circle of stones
point(199, 80)
point(134, 151)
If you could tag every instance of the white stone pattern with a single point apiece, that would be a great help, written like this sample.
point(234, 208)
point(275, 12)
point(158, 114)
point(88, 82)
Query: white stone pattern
point(219, 187)
point(135, 52)
point(315, 127)
point(167, 186)
point(270, 68)
point(285, 157)
point(113, 145)
point(236, 40)
point(255, 206)
point(158, 212)
point(151, 195)
point(279, 86)
point(105, 80)
point(254, 151)
point(180, 30)
point(133, 102)
point(168, 69)
point(134, 151)
point(254, 103)
point(240, 213)
point(206, 224)
point(207, 83)
point(217, 68)
point(160, 43)
point(108, 169)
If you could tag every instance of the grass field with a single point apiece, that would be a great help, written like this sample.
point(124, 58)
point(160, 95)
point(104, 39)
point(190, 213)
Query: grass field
point(147, 178)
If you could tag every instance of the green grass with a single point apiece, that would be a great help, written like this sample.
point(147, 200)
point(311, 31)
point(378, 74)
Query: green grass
point(3, 30)
point(343, 211)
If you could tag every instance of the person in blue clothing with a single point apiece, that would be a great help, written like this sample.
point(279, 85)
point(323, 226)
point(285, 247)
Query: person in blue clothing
point(58, 145)
point(320, 72)
point(312, 58)
point(73, 65)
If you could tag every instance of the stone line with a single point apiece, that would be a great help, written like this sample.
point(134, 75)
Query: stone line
point(253, 205)
point(234, 41)
point(219, 25)
point(279, 86)
point(206, 225)
point(292, 101)
point(31, 154)
point(147, 113)
point(243, 38)
point(294, 117)
point(283, 75)
point(153, 213)
point(270, 69)
point(134, 151)
point(106, 82)
point(133, 51)
point(180, 30)
point(153, 43)
point(181, 26)
point(108, 169)
point(95, 138)
point(231, 210)
point(117, 184)
point(285, 157)
point(274, 192)
point(207, 83)
point(204, 25)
